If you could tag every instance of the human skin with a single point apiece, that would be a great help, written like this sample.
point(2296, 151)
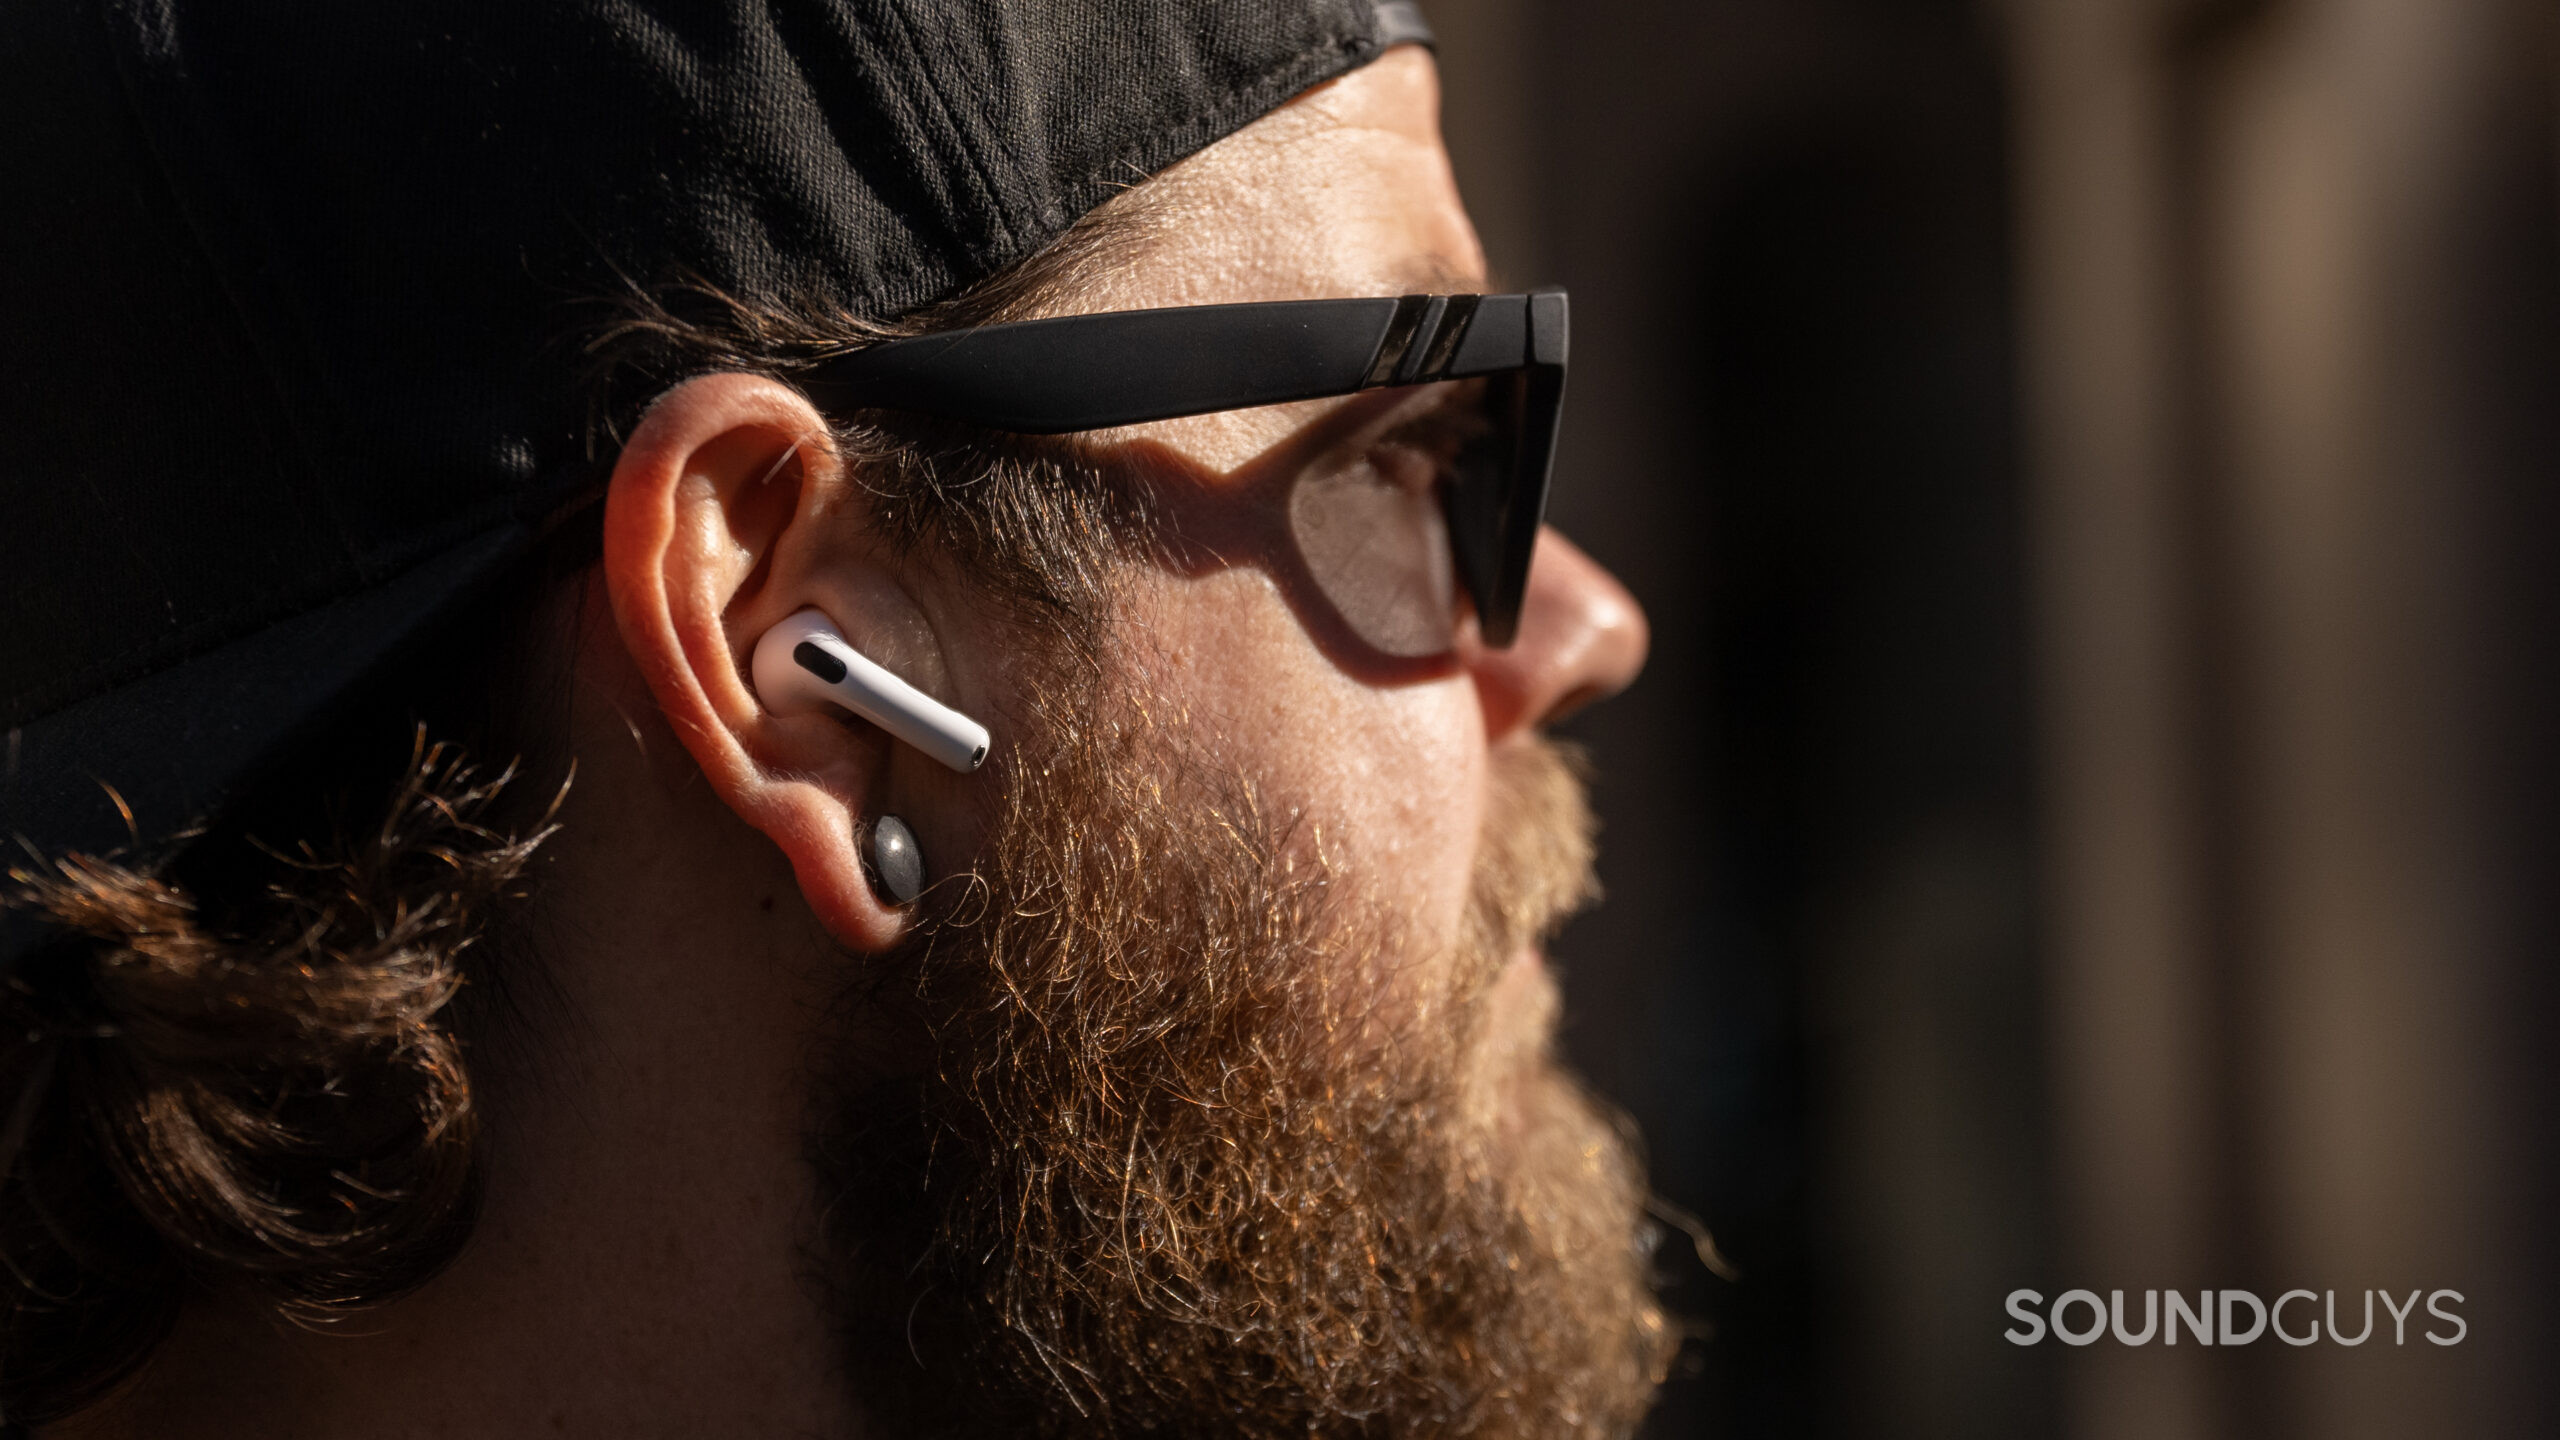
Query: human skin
point(639, 1267)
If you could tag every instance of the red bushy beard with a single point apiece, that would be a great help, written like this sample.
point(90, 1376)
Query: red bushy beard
point(1208, 1146)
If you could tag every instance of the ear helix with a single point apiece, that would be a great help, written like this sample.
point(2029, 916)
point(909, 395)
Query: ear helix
point(803, 664)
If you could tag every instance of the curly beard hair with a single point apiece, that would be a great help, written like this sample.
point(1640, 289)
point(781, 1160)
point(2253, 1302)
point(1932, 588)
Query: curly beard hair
point(1206, 1146)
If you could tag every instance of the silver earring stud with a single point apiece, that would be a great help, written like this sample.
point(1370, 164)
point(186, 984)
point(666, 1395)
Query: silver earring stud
point(895, 859)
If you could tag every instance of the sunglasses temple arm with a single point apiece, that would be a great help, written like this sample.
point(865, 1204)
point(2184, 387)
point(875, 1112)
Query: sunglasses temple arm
point(1093, 372)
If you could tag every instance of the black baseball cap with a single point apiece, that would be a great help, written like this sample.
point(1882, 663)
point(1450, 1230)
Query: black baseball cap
point(283, 299)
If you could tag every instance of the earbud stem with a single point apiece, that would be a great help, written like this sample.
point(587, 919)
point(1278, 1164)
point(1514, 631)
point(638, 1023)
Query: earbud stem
point(803, 662)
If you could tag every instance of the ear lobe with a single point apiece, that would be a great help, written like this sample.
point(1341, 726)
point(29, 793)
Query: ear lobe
point(720, 479)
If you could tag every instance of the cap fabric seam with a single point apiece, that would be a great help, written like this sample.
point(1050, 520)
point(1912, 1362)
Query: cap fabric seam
point(960, 144)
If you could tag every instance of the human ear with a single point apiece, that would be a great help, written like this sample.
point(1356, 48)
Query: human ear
point(728, 511)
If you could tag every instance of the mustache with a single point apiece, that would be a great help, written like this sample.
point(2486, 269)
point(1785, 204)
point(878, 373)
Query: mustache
point(1535, 861)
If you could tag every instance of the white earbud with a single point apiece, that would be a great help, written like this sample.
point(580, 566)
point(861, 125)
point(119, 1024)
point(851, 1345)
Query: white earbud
point(803, 663)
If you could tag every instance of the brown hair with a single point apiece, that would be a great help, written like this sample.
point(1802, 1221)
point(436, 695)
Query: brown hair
point(240, 1063)
point(258, 1088)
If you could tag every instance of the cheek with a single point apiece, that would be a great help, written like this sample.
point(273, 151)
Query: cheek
point(1390, 777)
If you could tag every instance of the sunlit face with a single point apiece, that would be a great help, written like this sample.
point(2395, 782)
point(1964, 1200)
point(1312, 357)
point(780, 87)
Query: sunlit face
point(1241, 1118)
point(1378, 742)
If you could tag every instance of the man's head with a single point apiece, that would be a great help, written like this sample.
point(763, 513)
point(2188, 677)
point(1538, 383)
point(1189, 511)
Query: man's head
point(1226, 1093)
point(1207, 1087)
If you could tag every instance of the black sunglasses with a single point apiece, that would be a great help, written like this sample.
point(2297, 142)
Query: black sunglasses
point(1092, 372)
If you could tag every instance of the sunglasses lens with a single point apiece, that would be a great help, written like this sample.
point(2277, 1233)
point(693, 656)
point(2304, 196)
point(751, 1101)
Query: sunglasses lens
point(1449, 498)
point(1376, 545)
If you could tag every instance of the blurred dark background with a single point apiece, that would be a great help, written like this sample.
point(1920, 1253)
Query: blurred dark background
point(2089, 821)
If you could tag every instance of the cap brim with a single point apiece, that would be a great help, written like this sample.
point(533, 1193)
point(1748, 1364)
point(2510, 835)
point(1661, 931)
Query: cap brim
point(173, 747)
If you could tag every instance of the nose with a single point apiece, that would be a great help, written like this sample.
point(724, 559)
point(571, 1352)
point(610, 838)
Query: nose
point(1582, 638)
